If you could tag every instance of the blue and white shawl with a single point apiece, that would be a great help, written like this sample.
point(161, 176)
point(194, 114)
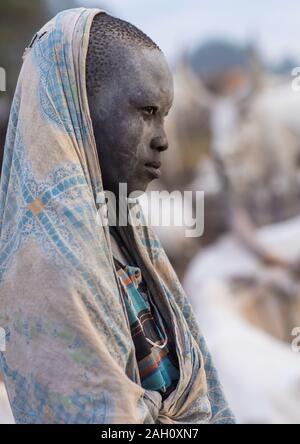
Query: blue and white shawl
point(69, 355)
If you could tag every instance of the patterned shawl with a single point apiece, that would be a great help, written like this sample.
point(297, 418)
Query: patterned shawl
point(69, 354)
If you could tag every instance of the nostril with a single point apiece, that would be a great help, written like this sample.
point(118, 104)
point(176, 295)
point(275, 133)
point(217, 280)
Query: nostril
point(164, 147)
point(159, 144)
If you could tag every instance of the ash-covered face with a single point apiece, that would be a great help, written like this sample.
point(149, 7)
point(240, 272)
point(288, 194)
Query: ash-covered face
point(128, 116)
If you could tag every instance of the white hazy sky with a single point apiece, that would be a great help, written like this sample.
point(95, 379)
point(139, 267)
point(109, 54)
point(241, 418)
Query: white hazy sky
point(274, 25)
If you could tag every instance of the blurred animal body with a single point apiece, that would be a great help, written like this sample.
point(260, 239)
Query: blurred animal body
point(247, 311)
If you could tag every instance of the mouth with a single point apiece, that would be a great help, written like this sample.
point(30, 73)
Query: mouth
point(153, 168)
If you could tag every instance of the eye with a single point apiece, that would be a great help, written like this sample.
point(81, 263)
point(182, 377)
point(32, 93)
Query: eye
point(150, 110)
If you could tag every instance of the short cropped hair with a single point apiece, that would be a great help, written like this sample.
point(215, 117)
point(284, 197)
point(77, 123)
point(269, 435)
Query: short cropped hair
point(108, 35)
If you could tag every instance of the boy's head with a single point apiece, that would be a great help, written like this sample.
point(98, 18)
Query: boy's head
point(130, 91)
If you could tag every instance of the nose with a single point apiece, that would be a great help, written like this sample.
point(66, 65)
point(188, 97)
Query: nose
point(159, 143)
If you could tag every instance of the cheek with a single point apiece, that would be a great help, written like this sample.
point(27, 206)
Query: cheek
point(133, 136)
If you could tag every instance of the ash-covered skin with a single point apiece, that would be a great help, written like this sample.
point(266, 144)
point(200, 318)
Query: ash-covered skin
point(130, 91)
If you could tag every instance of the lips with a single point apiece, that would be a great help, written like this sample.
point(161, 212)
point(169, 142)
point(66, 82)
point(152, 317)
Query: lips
point(153, 168)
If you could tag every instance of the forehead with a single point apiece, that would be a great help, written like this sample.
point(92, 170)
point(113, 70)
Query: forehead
point(150, 77)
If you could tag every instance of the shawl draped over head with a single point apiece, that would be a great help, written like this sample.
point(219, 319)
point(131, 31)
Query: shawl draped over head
point(69, 354)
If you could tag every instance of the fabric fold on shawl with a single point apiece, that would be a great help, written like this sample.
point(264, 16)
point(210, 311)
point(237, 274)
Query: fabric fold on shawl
point(69, 354)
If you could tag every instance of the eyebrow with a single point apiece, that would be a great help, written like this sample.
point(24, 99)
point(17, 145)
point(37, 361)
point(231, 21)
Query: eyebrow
point(148, 99)
point(144, 99)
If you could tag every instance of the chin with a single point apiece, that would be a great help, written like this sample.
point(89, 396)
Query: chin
point(138, 189)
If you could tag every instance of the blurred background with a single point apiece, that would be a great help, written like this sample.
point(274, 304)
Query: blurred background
point(234, 133)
